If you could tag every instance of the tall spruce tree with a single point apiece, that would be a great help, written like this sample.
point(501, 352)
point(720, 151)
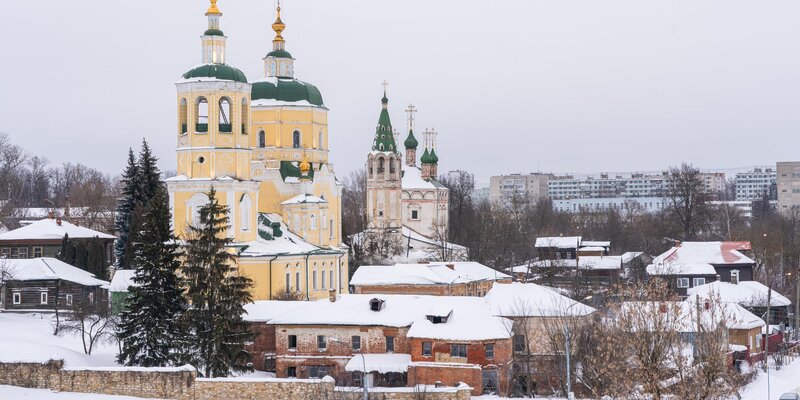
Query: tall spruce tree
point(96, 258)
point(150, 326)
point(67, 252)
point(126, 204)
point(217, 295)
point(149, 175)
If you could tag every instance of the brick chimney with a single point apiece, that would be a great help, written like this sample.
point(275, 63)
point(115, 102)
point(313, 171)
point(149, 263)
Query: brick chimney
point(332, 295)
point(51, 214)
point(58, 221)
point(451, 266)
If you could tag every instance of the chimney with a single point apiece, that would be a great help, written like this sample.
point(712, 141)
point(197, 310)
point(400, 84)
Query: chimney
point(58, 221)
point(332, 295)
point(51, 214)
point(451, 266)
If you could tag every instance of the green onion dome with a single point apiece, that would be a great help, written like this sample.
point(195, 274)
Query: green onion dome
point(213, 32)
point(289, 90)
point(217, 71)
point(434, 158)
point(279, 54)
point(426, 157)
point(411, 141)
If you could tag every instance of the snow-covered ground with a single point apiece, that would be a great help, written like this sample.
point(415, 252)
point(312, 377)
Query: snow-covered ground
point(780, 382)
point(29, 337)
point(13, 392)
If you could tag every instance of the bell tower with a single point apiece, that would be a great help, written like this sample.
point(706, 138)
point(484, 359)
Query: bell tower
point(384, 174)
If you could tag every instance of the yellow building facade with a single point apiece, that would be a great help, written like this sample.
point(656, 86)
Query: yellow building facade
point(263, 146)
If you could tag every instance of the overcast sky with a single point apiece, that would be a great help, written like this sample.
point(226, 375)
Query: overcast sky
point(511, 86)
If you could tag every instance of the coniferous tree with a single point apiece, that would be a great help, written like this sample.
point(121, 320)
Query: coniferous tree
point(96, 258)
point(81, 255)
point(217, 295)
point(125, 208)
point(67, 252)
point(149, 175)
point(150, 324)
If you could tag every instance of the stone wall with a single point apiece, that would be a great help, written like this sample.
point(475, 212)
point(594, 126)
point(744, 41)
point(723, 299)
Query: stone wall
point(181, 384)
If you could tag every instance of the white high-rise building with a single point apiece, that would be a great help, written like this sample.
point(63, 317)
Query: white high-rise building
point(751, 185)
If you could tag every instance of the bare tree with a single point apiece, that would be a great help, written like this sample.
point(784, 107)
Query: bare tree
point(686, 196)
point(7, 272)
point(91, 321)
point(288, 295)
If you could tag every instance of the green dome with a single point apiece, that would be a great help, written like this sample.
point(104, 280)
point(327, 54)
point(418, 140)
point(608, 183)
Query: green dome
point(213, 32)
point(279, 54)
point(218, 71)
point(426, 157)
point(411, 141)
point(434, 158)
point(290, 90)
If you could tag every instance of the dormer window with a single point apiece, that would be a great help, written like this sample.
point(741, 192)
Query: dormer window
point(375, 304)
point(439, 314)
point(436, 319)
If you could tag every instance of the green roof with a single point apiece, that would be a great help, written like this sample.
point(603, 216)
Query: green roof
point(411, 141)
point(213, 32)
point(290, 169)
point(434, 158)
point(218, 71)
point(384, 134)
point(287, 90)
point(426, 157)
point(279, 54)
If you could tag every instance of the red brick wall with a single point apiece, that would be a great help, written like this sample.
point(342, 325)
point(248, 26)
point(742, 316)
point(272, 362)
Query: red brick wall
point(449, 376)
point(461, 289)
point(263, 344)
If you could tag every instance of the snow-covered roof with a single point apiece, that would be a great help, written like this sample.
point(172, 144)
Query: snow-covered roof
point(122, 280)
point(746, 293)
point(267, 244)
point(267, 310)
point(424, 274)
point(561, 242)
point(681, 316)
point(52, 229)
point(596, 243)
point(471, 318)
point(681, 269)
point(583, 262)
point(178, 178)
point(705, 253)
point(46, 268)
point(304, 198)
point(381, 363)
point(592, 248)
point(630, 255)
point(412, 179)
point(532, 300)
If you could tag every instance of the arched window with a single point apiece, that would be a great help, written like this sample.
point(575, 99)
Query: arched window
point(296, 139)
point(245, 116)
point(319, 142)
point(224, 115)
point(201, 124)
point(184, 115)
point(391, 165)
point(245, 212)
point(193, 207)
point(313, 221)
point(262, 139)
point(381, 165)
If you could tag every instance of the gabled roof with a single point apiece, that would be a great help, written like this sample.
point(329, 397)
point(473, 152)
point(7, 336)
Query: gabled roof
point(746, 293)
point(682, 316)
point(705, 253)
point(561, 242)
point(582, 262)
point(424, 274)
point(52, 229)
point(532, 300)
point(304, 198)
point(471, 317)
point(681, 269)
point(46, 268)
point(267, 310)
point(412, 179)
point(122, 280)
point(275, 238)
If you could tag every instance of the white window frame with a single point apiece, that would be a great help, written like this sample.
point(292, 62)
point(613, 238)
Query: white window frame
point(322, 279)
point(314, 280)
point(683, 286)
point(698, 281)
point(38, 250)
point(23, 252)
point(69, 299)
point(43, 297)
point(16, 297)
point(736, 273)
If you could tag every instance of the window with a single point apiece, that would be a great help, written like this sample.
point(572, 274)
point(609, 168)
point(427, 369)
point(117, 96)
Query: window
point(390, 344)
point(735, 276)
point(245, 206)
point(313, 224)
point(314, 279)
point(414, 214)
point(288, 282)
point(245, 120)
point(458, 350)
point(69, 299)
point(356, 340)
point(317, 371)
point(201, 124)
point(43, 298)
point(183, 115)
point(297, 280)
point(296, 139)
point(37, 252)
point(427, 348)
point(91, 298)
point(330, 282)
point(6, 252)
point(23, 252)
point(519, 343)
point(357, 379)
point(380, 165)
point(292, 342)
point(322, 343)
point(225, 125)
point(699, 281)
point(683, 283)
point(291, 372)
point(319, 142)
point(17, 298)
point(262, 139)
point(331, 229)
point(489, 347)
point(322, 275)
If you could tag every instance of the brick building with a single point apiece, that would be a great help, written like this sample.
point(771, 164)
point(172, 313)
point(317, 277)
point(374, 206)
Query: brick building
point(436, 279)
point(400, 340)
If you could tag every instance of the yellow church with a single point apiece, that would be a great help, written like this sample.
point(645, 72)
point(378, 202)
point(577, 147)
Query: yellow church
point(263, 146)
